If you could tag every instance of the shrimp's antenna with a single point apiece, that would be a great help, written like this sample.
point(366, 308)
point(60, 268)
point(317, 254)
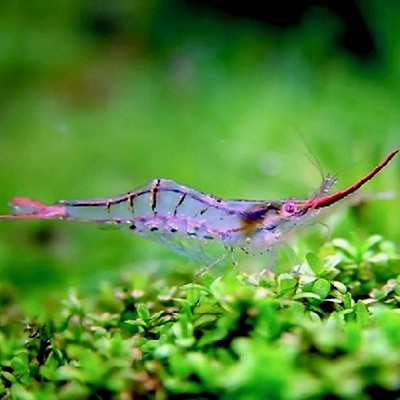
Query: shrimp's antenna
point(326, 201)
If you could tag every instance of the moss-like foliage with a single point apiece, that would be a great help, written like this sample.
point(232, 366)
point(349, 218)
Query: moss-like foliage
point(329, 328)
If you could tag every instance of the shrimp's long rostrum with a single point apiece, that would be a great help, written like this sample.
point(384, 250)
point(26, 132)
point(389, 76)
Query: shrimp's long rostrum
point(187, 220)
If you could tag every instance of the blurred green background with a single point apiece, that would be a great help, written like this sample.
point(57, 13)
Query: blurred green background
point(99, 97)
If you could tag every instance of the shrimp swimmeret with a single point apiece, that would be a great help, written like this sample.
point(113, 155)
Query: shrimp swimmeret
point(191, 222)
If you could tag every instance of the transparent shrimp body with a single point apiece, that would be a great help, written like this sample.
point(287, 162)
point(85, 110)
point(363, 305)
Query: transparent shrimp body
point(193, 223)
point(189, 222)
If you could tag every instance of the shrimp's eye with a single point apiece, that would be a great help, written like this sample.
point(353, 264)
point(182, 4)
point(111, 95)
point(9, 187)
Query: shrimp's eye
point(289, 207)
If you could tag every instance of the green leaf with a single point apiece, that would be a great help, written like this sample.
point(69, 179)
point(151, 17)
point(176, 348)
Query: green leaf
point(346, 247)
point(287, 284)
point(339, 286)
point(314, 262)
point(321, 287)
point(143, 312)
point(373, 241)
point(362, 315)
point(183, 331)
point(306, 295)
point(20, 365)
point(347, 300)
